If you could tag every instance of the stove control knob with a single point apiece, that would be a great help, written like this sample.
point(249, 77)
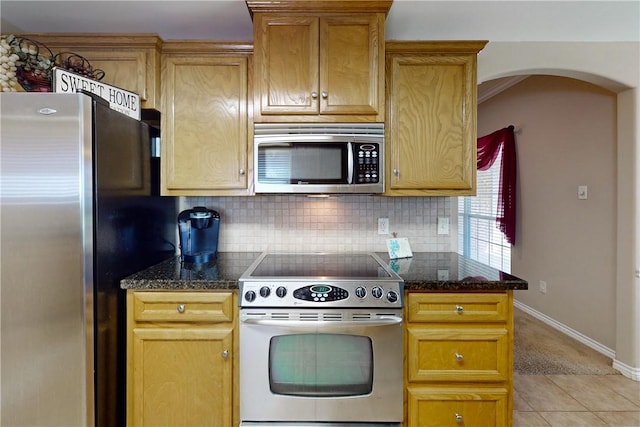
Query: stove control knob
point(281, 291)
point(392, 296)
point(250, 296)
point(265, 291)
point(361, 292)
point(377, 292)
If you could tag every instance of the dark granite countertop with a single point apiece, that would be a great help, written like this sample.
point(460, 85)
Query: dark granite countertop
point(448, 271)
point(426, 271)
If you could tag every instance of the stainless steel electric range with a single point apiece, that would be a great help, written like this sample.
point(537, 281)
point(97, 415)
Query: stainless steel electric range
point(321, 341)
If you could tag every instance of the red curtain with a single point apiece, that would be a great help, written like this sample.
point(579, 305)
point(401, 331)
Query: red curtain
point(489, 147)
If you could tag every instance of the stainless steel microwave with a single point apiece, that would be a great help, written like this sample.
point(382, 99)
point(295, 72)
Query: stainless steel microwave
point(319, 158)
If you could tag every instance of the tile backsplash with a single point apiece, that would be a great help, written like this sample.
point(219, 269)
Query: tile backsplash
point(338, 224)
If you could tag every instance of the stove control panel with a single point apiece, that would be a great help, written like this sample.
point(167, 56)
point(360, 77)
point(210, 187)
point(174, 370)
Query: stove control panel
point(296, 294)
point(320, 293)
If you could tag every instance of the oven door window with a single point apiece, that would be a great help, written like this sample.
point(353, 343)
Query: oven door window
point(309, 163)
point(321, 365)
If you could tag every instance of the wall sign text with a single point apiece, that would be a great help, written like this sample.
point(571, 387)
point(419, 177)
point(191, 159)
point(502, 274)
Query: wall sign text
point(126, 102)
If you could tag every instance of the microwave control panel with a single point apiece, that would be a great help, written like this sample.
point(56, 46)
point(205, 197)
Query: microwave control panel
point(367, 164)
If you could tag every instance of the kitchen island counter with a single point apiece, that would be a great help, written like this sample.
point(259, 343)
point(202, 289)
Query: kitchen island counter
point(425, 271)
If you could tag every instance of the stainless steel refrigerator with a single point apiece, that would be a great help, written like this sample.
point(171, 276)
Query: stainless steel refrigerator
point(77, 215)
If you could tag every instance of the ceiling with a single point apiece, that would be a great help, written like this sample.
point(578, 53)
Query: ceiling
point(511, 20)
point(502, 20)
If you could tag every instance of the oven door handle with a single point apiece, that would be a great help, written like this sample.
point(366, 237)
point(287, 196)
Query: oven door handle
point(378, 321)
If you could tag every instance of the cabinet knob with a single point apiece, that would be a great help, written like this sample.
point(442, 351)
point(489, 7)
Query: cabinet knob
point(459, 357)
point(459, 309)
point(314, 94)
point(325, 95)
point(459, 419)
point(396, 172)
point(241, 172)
point(225, 354)
point(180, 308)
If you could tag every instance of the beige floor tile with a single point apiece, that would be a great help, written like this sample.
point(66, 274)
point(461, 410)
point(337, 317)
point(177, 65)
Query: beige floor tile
point(528, 419)
point(620, 419)
point(593, 393)
point(519, 404)
point(573, 419)
point(543, 395)
point(623, 385)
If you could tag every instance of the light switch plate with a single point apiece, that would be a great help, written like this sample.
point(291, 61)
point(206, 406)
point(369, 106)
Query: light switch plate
point(583, 192)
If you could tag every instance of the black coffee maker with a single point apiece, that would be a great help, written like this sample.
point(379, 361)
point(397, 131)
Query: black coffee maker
point(199, 228)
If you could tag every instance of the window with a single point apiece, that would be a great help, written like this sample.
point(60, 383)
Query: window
point(479, 237)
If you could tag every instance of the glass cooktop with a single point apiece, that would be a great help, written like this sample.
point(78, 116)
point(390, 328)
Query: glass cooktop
point(318, 265)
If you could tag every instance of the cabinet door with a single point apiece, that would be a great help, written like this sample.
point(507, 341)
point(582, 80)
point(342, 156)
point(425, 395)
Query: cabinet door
point(205, 143)
point(431, 123)
point(286, 56)
point(130, 61)
point(351, 60)
point(124, 69)
point(181, 376)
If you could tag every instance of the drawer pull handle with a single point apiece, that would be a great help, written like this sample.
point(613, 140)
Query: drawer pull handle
point(459, 419)
point(459, 357)
point(225, 354)
point(459, 309)
point(180, 308)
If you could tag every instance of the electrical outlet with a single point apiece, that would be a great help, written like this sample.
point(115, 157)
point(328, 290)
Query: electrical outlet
point(383, 225)
point(443, 225)
point(543, 286)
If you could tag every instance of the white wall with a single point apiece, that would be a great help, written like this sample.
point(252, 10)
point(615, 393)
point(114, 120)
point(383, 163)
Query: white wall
point(565, 137)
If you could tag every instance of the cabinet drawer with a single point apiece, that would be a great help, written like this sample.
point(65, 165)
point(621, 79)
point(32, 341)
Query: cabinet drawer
point(458, 354)
point(159, 306)
point(439, 407)
point(457, 307)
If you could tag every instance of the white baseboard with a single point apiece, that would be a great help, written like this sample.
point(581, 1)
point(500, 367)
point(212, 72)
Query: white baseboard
point(567, 330)
point(626, 370)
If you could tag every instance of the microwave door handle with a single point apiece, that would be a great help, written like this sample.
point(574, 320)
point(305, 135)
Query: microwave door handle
point(350, 163)
point(275, 144)
point(380, 321)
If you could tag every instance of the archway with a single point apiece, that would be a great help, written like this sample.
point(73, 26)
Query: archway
point(616, 67)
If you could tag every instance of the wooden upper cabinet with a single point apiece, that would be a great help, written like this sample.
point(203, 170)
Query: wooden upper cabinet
point(352, 65)
point(431, 118)
point(319, 61)
point(205, 133)
point(287, 69)
point(130, 61)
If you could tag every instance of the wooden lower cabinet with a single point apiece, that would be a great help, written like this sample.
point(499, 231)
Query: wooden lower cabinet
point(459, 359)
point(182, 352)
point(458, 406)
